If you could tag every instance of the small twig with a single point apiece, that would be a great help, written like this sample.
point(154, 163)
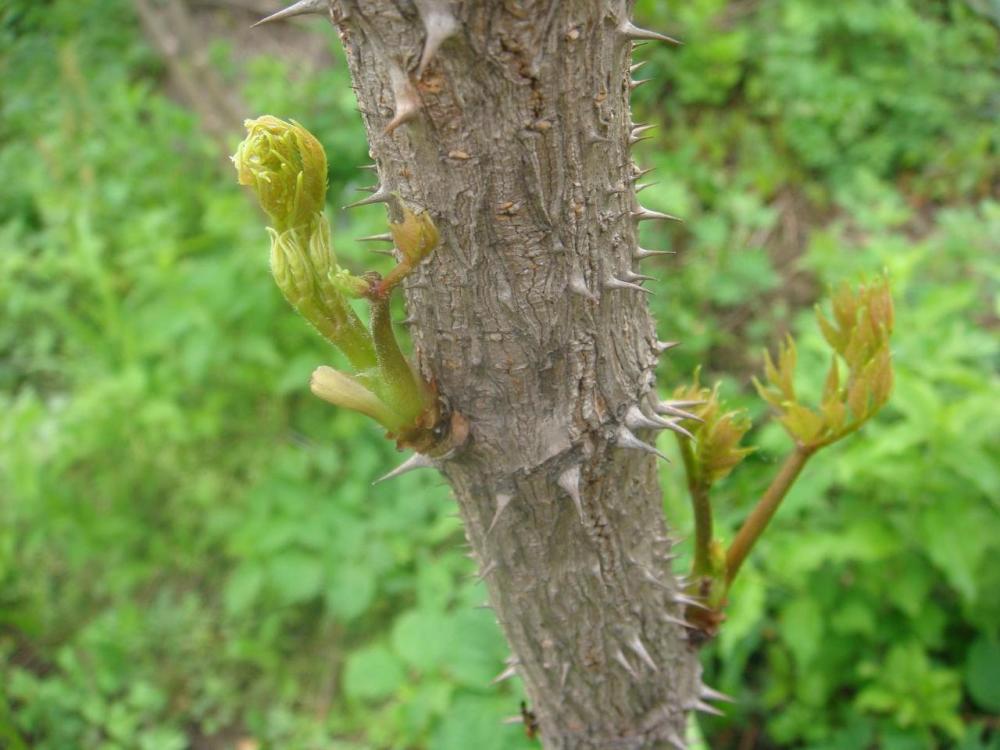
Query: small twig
point(702, 508)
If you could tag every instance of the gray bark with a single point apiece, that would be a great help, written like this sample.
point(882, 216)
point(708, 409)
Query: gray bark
point(515, 136)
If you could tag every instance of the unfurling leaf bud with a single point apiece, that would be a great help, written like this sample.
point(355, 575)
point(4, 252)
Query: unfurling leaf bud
point(343, 390)
point(286, 166)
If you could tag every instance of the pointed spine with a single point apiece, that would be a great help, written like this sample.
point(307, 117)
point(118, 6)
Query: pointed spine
point(705, 708)
point(620, 658)
point(632, 32)
point(416, 461)
point(640, 650)
point(645, 214)
point(634, 277)
point(505, 675)
point(491, 566)
point(578, 286)
point(503, 500)
point(406, 98)
point(624, 438)
point(641, 254)
point(569, 482)
point(301, 8)
point(381, 195)
point(376, 238)
point(714, 695)
point(439, 25)
point(615, 283)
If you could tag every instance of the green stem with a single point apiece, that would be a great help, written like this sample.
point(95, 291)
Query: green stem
point(702, 508)
point(765, 509)
point(404, 394)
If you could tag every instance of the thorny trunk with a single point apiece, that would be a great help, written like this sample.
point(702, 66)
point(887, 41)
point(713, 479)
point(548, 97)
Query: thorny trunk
point(515, 135)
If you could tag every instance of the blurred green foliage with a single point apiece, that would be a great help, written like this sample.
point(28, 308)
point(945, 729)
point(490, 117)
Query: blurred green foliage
point(190, 550)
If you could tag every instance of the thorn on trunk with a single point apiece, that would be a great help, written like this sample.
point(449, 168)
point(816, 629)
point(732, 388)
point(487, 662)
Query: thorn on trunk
point(714, 695)
point(503, 500)
point(416, 461)
point(379, 196)
point(706, 708)
point(439, 25)
point(614, 283)
point(486, 571)
point(638, 278)
point(505, 675)
point(645, 214)
point(630, 31)
point(569, 482)
point(578, 286)
point(665, 346)
point(640, 650)
point(376, 238)
point(641, 254)
point(407, 100)
point(620, 658)
point(301, 8)
point(624, 438)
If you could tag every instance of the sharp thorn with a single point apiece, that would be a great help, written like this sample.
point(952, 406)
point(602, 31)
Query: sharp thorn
point(505, 675)
point(373, 167)
point(679, 404)
point(513, 720)
point(640, 129)
point(645, 214)
point(620, 658)
point(636, 420)
point(569, 482)
point(641, 254)
point(438, 26)
point(639, 188)
point(612, 283)
point(379, 196)
point(675, 741)
point(706, 708)
point(640, 650)
point(632, 140)
point(301, 8)
point(563, 676)
point(376, 238)
point(636, 66)
point(690, 601)
point(630, 31)
point(416, 461)
point(663, 408)
point(640, 173)
point(578, 286)
point(625, 439)
point(679, 621)
point(375, 188)
point(634, 84)
point(714, 695)
point(629, 275)
point(665, 346)
point(503, 500)
point(669, 424)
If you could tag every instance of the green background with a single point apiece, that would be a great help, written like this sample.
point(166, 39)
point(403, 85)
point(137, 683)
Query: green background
point(191, 552)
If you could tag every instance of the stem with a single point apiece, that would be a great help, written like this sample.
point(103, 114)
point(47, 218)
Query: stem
point(698, 491)
point(403, 394)
point(765, 509)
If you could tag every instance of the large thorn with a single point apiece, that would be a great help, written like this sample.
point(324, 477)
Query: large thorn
point(301, 8)
point(636, 83)
point(407, 100)
point(625, 439)
point(630, 31)
point(503, 500)
point(505, 675)
point(664, 407)
point(645, 214)
point(642, 186)
point(665, 346)
point(636, 66)
point(714, 695)
point(641, 254)
point(640, 129)
point(636, 420)
point(439, 24)
point(578, 286)
point(620, 658)
point(379, 196)
point(640, 173)
point(637, 278)
point(416, 461)
point(640, 650)
point(569, 482)
point(613, 283)
point(675, 740)
point(376, 238)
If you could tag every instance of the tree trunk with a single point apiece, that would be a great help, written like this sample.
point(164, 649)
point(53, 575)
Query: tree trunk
point(515, 135)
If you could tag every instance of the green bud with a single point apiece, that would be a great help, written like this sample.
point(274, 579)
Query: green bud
point(286, 166)
point(343, 390)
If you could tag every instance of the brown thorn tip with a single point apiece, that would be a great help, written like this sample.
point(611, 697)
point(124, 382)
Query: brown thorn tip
point(416, 461)
point(301, 8)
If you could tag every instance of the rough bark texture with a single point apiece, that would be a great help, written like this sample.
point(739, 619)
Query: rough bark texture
point(515, 136)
